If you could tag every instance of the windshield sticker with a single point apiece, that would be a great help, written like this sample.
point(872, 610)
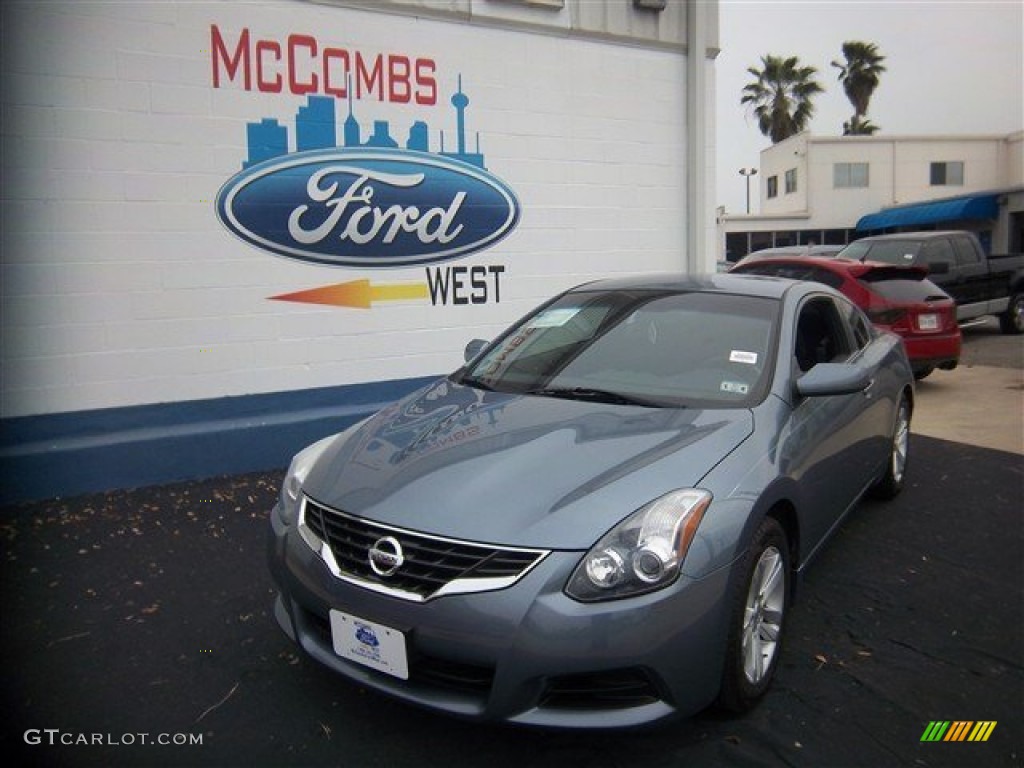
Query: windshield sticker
point(735, 387)
point(739, 356)
point(553, 318)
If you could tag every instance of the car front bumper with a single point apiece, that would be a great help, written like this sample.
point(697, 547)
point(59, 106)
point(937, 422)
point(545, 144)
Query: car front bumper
point(528, 653)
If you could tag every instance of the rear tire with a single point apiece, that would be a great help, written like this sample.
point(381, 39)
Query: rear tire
point(759, 603)
point(1012, 320)
point(891, 483)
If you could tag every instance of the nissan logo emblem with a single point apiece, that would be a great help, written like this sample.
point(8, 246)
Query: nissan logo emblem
point(386, 556)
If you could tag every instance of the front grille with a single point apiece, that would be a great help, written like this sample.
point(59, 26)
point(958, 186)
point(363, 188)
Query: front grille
point(613, 689)
point(431, 566)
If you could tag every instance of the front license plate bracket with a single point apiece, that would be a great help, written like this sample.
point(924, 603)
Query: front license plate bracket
point(370, 644)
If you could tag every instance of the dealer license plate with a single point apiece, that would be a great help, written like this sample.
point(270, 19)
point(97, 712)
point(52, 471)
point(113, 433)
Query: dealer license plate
point(370, 644)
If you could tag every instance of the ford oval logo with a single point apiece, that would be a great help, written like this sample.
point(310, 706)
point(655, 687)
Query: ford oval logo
point(358, 207)
point(367, 636)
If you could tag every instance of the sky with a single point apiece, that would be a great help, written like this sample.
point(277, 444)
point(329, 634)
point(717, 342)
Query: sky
point(952, 68)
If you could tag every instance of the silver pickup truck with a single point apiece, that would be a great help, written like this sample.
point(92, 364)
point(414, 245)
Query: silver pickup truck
point(981, 284)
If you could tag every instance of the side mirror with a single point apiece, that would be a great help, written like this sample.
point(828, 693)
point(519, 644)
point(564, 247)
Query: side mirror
point(826, 379)
point(474, 348)
point(938, 267)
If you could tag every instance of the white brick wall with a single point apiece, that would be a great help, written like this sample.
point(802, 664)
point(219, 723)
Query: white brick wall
point(121, 287)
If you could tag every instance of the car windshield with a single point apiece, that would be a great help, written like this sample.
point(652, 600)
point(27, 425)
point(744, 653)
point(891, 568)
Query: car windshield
point(654, 348)
point(885, 251)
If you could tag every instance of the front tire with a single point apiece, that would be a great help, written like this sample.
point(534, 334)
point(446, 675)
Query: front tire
point(1012, 320)
point(759, 603)
point(891, 482)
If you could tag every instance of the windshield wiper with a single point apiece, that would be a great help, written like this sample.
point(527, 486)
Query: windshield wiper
point(473, 381)
point(597, 395)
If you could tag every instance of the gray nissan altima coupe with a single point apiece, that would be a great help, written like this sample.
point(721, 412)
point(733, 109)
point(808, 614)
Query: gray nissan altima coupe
point(598, 521)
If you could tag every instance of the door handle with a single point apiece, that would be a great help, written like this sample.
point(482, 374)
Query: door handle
point(867, 390)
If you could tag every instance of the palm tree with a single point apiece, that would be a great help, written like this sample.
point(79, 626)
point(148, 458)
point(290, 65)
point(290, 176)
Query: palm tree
point(781, 96)
point(859, 76)
point(859, 126)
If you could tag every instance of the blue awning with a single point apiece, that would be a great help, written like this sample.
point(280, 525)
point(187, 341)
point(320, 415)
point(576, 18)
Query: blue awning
point(934, 212)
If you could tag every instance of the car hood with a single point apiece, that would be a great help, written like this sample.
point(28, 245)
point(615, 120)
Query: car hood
point(518, 470)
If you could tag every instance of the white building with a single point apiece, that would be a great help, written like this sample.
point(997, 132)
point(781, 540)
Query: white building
point(211, 249)
point(831, 190)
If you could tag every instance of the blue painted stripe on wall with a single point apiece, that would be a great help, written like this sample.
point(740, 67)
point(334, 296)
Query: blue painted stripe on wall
point(67, 454)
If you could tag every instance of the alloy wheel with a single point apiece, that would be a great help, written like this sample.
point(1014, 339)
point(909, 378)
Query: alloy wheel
point(900, 444)
point(762, 619)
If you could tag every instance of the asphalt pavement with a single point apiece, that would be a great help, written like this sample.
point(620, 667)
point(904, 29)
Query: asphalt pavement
point(139, 617)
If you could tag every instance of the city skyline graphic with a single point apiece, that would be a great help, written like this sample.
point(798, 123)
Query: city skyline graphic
point(316, 128)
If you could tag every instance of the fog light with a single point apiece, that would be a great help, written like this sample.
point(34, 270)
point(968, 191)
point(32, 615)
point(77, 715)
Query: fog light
point(606, 568)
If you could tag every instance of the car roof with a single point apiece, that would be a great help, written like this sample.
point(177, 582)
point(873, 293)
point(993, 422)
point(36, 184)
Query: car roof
point(794, 251)
point(911, 235)
point(851, 267)
point(746, 285)
point(828, 262)
point(797, 250)
point(842, 266)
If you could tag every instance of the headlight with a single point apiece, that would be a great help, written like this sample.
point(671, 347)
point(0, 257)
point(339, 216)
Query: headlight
point(298, 471)
point(644, 551)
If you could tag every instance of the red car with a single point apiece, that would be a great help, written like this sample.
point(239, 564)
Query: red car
point(898, 299)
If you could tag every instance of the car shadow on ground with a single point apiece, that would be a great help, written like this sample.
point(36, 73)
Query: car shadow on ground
point(149, 612)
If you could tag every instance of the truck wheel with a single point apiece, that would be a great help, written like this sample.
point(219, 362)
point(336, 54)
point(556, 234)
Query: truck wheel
point(1012, 320)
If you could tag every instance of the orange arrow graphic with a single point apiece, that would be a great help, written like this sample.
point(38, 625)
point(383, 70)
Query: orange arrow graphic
point(356, 293)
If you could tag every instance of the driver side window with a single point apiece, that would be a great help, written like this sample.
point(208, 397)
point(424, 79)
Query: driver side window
point(820, 335)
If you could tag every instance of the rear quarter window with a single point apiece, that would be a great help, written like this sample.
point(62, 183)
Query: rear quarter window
point(859, 324)
point(966, 253)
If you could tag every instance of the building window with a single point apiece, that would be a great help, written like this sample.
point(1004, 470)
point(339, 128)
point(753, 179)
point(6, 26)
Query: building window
point(947, 174)
point(772, 185)
point(736, 246)
point(760, 240)
point(791, 181)
point(848, 175)
point(837, 236)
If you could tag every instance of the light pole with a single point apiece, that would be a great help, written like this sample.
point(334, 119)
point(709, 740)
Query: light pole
point(747, 173)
